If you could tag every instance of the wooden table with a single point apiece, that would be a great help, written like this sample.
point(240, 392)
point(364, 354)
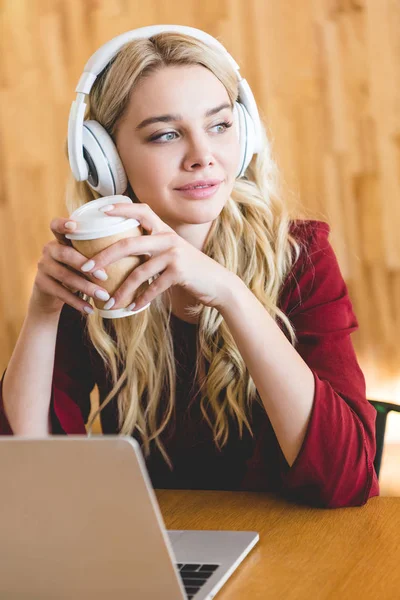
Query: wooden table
point(315, 554)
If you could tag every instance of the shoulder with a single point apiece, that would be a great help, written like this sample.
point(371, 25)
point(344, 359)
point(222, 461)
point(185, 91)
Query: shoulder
point(310, 234)
point(315, 271)
point(312, 239)
point(314, 249)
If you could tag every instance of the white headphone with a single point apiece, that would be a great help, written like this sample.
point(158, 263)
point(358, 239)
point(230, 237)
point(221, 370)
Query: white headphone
point(93, 156)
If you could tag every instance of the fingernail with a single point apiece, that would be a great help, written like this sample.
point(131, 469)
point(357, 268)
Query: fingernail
point(109, 304)
point(106, 208)
point(88, 310)
point(100, 274)
point(87, 266)
point(70, 225)
point(102, 295)
point(131, 306)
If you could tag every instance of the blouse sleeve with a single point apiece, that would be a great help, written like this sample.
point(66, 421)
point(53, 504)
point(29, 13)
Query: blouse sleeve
point(334, 467)
point(73, 379)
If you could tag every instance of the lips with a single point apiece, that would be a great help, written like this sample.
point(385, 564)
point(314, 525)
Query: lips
point(200, 183)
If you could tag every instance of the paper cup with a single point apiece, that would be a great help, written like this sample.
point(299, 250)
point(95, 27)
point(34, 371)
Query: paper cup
point(95, 231)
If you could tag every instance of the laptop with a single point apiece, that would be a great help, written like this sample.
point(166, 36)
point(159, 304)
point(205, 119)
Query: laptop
point(79, 519)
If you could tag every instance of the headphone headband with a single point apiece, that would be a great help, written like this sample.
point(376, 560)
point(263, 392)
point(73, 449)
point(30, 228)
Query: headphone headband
point(99, 60)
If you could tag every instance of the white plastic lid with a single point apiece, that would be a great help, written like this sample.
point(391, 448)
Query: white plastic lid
point(92, 224)
point(119, 312)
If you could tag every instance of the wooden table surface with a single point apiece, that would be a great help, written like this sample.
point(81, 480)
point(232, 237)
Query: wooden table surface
point(317, 554)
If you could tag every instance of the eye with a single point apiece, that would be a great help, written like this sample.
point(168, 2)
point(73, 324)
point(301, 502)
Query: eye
point(225, 124)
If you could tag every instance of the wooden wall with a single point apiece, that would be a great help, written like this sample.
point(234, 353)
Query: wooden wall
point(326, 78)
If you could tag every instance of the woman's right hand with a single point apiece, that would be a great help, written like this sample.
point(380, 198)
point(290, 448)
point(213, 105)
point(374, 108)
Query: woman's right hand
point(58, 277)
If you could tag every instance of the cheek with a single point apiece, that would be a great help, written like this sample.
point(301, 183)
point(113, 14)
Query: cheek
point(232, 159)
point(142, 170)
point(149, 180)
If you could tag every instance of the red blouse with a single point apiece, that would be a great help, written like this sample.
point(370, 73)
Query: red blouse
point(334, 467)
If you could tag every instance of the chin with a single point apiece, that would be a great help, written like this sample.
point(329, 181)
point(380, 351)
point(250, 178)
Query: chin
point(201, 214)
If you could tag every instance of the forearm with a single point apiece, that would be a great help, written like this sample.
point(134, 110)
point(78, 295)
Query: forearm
point(28, 379)
point(284, 381)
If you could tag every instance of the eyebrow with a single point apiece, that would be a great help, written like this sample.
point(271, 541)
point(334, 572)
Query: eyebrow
point(168, 118)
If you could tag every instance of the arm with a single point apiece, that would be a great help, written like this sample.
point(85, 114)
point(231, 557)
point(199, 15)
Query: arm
point(48, 381)
point(27, 382)
point(49, 378)
point(282, 378)
point(325, 427)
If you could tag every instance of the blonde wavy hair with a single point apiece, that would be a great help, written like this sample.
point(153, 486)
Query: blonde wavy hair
point(250, 237)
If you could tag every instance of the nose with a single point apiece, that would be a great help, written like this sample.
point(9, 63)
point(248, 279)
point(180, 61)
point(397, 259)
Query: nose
point(199, 153)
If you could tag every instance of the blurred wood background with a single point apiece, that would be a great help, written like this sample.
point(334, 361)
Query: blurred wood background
point(325, 74)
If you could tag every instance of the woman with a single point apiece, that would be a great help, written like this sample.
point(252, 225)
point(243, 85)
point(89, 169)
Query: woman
point(241, 374)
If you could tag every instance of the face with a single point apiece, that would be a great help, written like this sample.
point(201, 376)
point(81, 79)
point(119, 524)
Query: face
point(161, 156)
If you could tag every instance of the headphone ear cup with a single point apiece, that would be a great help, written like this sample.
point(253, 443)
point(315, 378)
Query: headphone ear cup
point(106, 173)
point(247, 137)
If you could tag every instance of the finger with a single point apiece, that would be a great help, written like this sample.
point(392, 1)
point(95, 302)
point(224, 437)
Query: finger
point(160, 285)
point(60, 227)
point(76, 282)
point(147, 218)
point(132, 246)
point(54, 288)
point(67, 255)
point(152, 268)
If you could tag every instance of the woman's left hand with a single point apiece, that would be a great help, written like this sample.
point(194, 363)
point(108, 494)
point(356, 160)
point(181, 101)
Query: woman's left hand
point(174, 259)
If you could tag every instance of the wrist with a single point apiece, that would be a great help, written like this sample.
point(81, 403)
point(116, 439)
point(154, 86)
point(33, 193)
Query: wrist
point(37, 314)
point(233, 288)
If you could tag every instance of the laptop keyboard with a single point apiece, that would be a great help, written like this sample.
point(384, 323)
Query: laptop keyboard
point(195, 576)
